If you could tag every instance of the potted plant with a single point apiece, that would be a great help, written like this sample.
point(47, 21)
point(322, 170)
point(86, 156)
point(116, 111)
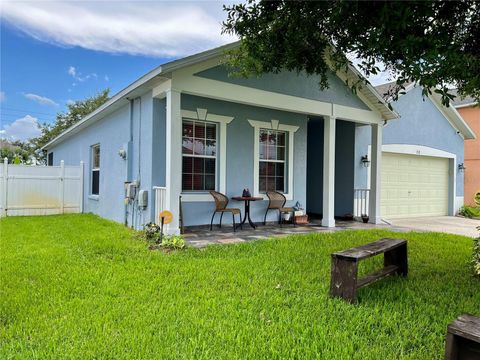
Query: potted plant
point(365, 218)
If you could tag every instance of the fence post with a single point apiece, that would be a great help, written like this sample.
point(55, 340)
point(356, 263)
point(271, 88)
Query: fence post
point(81, 185)
point(5, 185)
point(62, 186)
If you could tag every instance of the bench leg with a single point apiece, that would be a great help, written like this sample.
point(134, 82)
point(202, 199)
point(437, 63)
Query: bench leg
point(397, 257)
point(343, 280)
point(451, 349)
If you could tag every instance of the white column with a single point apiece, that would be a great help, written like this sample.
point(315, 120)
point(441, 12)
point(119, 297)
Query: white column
point(328, 219)
point(173, 174)
point(375, 171)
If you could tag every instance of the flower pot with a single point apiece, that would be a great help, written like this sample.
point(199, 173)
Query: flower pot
point(365, 219)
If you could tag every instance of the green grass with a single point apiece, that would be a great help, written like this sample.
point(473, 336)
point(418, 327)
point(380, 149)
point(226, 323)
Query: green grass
point(77, 286)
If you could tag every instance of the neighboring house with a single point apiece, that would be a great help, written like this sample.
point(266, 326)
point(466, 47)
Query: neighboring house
point(422, 152)
point(189, 127)
point(470, 112)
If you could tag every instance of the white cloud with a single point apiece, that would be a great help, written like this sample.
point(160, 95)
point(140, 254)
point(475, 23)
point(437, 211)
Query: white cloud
point(21, 129)
point(72, 71)
point(106, 78)
point(2, 96)
point(160, 29)
point(40, 99)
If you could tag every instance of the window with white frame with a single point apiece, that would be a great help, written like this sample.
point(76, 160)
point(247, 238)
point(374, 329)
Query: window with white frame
point(199, 155)
point(95, 186)
point(272, 167)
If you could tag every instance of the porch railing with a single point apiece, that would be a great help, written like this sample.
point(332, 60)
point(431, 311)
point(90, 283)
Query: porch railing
point(361, 198)
point(160, 201)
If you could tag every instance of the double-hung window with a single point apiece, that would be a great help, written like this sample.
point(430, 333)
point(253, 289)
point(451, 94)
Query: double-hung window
point(272, 160)
point(199, 155)
point(95, 186)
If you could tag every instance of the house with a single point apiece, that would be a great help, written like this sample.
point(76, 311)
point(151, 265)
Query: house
point(422, 157)
point(187, 127)
point(470, 112)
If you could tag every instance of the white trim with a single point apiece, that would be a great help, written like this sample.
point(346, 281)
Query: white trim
point(329, 129)
point(273, 125)
point(204, 115)
point(94, 197)
point(420, 150)
point(461, 106)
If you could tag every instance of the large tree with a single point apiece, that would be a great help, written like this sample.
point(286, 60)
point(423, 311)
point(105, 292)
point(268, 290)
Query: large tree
point(76, 112)
point(433, 43)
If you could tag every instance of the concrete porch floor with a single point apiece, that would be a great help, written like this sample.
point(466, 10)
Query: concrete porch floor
point(202, 236)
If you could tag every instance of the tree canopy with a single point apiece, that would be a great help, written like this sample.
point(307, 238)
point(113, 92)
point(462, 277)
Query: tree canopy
point(433, 43)
point(76, 112)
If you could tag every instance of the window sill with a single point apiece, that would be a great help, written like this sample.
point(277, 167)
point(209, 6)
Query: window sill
point(94, 197)
point(200, 197)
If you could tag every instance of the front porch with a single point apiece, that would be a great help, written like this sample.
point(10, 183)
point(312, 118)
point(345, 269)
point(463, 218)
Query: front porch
point(201, 236)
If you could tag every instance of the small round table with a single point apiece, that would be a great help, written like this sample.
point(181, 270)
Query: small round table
point(247, 200)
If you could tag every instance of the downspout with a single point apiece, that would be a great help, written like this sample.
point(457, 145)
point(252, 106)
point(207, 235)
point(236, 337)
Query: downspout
point(129, 155)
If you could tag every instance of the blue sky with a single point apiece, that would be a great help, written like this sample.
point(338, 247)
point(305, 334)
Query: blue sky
point(53, 52)
point(56, 52)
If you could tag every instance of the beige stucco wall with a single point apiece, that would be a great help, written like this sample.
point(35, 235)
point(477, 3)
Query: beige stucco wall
point(472, 153)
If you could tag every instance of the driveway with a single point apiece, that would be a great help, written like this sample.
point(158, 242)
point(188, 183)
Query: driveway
point(447, 224)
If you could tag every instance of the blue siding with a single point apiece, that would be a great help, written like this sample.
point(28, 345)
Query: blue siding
point(240, 155)
point(113, 132)
point(344, 167)
point(421, 123)
point(291, 83)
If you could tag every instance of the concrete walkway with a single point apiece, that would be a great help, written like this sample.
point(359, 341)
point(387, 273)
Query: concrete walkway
point(448, 224)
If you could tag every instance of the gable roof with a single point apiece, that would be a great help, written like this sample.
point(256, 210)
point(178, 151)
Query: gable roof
point(162, 72)
point(450, 113)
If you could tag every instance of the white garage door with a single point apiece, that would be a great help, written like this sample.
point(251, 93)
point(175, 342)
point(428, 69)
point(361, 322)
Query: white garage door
point(414, 186)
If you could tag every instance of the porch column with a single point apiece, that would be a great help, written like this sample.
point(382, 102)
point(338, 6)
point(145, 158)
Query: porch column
point(375, 171)
point(173, 142)
point(328, 219)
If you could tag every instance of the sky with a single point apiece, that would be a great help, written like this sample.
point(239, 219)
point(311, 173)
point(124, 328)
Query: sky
point(56, 52)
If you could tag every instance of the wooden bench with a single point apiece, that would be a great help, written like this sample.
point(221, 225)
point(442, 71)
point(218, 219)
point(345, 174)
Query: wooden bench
point(463, 338)
point(344, 281)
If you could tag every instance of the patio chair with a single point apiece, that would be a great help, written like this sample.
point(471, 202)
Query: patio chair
point(276, 201)
point(221, 202)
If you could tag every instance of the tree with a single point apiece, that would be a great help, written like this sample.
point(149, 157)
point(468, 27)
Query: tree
point(16, 151)
point(433, 43)
point(76, 112)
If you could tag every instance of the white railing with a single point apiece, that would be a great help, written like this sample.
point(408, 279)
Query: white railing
point(361, 198)
point(160, 201)
point(40, 190)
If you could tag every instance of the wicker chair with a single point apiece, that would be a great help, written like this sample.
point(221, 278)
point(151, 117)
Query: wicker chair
point(276, 201)
point(221, 202)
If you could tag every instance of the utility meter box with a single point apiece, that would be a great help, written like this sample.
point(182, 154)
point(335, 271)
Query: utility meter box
point(142, 199)
point(130, 190)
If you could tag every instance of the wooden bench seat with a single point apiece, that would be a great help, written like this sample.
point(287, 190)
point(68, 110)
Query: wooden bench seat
point(344, 275)
point(463, 338)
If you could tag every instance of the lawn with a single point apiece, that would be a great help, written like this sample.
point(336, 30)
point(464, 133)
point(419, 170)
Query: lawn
point(77, 286)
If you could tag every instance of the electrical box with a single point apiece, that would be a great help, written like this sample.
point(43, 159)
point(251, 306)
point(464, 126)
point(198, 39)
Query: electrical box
point(130, 190)
point(142, 199)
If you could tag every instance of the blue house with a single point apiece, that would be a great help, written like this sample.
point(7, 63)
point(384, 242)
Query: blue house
point(187, 127)
point(422, 157)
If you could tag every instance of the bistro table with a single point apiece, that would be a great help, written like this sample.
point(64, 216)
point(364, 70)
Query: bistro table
point(247, 200)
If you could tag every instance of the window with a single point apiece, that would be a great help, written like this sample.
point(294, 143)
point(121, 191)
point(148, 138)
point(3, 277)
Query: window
point(272, 163)
point(50, 159)
point(95, 169)
point(199, 150)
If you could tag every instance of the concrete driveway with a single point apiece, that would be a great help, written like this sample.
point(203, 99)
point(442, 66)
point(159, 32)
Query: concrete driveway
point(447, 224)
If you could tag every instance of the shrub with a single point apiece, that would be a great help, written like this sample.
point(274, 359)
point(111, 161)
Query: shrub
point(470, 211)
point(174, 242)
point(151, 233)
point(476, 255)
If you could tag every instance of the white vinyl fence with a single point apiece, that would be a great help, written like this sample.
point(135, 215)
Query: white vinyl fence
point(40, 190)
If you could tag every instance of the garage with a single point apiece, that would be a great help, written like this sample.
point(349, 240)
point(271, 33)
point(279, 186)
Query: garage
point(414, 186)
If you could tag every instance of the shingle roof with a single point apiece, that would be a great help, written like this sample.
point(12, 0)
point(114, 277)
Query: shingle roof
point(458, 101)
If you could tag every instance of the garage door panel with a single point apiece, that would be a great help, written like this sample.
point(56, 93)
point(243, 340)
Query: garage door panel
point(414, 186)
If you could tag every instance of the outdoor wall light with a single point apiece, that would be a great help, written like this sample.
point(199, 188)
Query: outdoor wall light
point(461, 167)
point(122, 153)
point(365, 161)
